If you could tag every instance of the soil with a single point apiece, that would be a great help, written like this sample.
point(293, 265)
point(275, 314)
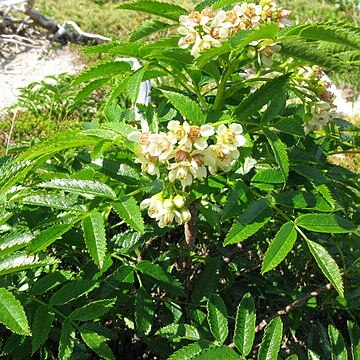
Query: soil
point(33, 65)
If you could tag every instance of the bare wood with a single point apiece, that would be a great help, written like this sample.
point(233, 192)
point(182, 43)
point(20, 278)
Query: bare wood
point(190, 228)
point(295, 304)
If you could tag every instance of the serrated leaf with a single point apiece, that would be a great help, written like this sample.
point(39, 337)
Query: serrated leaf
point(105, 69)
point(338, 348)
point(95, 237)
point(290, 126)
point(67, 340)
point(48, 282)
point(12, 313)
point(354, 332)
point(232, 202)
point(46, 237)
point(217, 318)
point(93, 310)
point(244, 333)
point(325, 223)
point(327, 265)
point(146, 28)
point(212, 54)
point(97, 343)
point(279, 150)
point(260, 97)
point(207, 280)
point(190, 351)
point(144, 311)
point(128, 241)
point(129, 210)
point(41, 326)
point(21, 261)
point(303, 200)
point(81, 187)
point(160, 8)
point(55, 201)
point(14, 242)
point(160, 277)
point(71, 291)
point(271, 341)
point(268, 179)
point(218, 353)
point(249, 222)
point(187, 107)
point(281, 245)
point(179, 331)
point(89, 88)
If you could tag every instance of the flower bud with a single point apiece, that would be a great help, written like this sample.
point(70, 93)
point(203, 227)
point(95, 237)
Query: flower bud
point(168, 204)
point(179, 201)
point(185, 215)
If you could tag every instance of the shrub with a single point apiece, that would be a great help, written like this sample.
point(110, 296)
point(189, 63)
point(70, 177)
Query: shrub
point(205, 224)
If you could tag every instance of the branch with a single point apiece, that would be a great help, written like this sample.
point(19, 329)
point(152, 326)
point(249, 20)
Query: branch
point(294, 305)
point(190, 228)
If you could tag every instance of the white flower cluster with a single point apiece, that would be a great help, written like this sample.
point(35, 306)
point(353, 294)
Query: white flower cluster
point(187, 152)
point(321, 114)
point(206, 29)
point(165, 211)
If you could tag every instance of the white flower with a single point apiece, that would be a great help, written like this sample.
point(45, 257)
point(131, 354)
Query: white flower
point(189, 38)
point(195, 136)
point(321, 114)
point(154, 205)
point(149, 164)
point(185, 215)
point(230, 138)
point(224, 161)
point(204, 43)
point(167, 216)
point(250, 15)
point(160, 145)
point(182, 171)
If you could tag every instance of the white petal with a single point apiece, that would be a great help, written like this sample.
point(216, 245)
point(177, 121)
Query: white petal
point(207, 130)
point(134, 136)
point(236, 128)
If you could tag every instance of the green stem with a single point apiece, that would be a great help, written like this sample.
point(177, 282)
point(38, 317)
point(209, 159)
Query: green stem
point(222, 86)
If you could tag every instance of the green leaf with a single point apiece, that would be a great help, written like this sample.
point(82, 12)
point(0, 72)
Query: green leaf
point(71, 291)
point(190, 351)
point(41, 326)
point(147, 28)
point(338, 348)
point(161, 278)
point(290, 126)
point(47, 237)
point(354, 332)
point(48, 282)
point(105, 69)
point(89, 88)
point(212, 54)
point(260, 97)
point(67, 340)
point(163, 9)
point(249, 222)
point(55, 201)
point(281, 245)
point(279, 150)
point(81, 187)
point(179, 331)
point(244, 333)
point(207, 281)
point(232, 202)
point(95, 238)
point(21, 261)
point(268, 179)
point(129, 210)
point(14, 242)
point(327, 265)
point(12, 314)
point(271, 341)
point(144, 311)
point(218, 353)
point(187, 107)
point(93, 310)
point(325, 223)
point(303, 200)
point(217, 318)
point(97, 343)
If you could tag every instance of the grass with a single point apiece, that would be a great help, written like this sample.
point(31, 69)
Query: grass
point(96, 16)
